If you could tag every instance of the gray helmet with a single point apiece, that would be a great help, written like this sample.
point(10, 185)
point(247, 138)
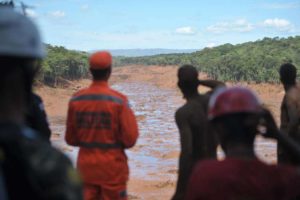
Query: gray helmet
point(19, 36)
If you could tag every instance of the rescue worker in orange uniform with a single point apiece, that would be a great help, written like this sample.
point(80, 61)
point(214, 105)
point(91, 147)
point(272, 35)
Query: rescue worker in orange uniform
point(102, 124)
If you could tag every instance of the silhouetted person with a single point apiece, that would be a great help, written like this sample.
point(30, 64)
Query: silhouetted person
point(237, 116)
point(191, 120)
point(290, 113)
point(29, 167)
point(36, 117)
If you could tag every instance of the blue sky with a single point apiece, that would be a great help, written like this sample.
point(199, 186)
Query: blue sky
point(175, 24)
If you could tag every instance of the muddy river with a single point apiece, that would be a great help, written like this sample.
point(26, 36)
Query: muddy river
point(154, 158)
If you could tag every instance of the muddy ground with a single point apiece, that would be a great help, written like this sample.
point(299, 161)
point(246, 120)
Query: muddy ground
point(154, 97)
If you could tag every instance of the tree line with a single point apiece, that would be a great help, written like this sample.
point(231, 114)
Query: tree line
point(257, 61)
point(63, 64)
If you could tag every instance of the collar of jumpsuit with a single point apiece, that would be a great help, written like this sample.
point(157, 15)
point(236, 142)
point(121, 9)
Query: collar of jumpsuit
point(102, 83)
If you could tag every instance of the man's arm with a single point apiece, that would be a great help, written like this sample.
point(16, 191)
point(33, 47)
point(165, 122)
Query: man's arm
point(184, 132)
point(283, 116)
point(273, 132)
point(128, 126)
point(185, 159)
point(213, 84)
point(293, 122)
point(71, 134)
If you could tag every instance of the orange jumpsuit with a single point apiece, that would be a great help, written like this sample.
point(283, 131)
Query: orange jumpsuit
point(102, 124)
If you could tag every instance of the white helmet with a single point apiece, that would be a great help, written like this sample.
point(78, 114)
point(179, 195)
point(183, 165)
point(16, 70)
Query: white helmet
point(19, 36)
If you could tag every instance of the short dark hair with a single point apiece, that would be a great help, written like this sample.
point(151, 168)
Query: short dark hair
point(100, 74)
point(187, 77)
point(288, 73)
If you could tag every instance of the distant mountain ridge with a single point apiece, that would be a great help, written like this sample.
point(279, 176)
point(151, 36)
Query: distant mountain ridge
point(147, 52)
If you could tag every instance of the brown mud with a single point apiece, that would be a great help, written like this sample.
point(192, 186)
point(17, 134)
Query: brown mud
point(154, 97)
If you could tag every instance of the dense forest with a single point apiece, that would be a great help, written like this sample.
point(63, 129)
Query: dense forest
point(63, 64)
point(252, 61)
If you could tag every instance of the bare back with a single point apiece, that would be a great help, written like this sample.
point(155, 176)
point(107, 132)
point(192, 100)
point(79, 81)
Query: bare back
point(197, 142)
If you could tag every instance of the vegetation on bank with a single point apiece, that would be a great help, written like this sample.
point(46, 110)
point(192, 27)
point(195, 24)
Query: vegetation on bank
point(63, 64)
point(252, 61)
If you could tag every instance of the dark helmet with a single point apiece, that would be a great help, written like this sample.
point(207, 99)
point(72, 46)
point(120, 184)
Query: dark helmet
point(19, 37)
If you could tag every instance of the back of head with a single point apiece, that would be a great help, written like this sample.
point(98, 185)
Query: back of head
point(188, 78)
point(288, 74)
point(20, 40)
point(236, 111)
point(20, 47)
point(100, 65)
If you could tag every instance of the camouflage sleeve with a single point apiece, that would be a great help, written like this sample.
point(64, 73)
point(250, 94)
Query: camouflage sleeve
point(52, 172)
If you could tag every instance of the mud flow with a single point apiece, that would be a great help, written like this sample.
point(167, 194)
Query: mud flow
point(153, 160)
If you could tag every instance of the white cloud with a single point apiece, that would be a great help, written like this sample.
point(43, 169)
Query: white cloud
point(57, 14)
point(85, 7)
point(31, 13)
point(187, 30)
point(288, 5)
point(211, 45)
point(240, 25)
point(280, 24)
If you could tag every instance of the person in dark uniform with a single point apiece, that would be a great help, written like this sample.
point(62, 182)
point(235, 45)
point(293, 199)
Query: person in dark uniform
point(36, 117)
point(192, 123)
point(30, 168)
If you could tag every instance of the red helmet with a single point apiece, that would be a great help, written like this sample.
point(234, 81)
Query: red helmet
point(100, 60)
point(233, 100)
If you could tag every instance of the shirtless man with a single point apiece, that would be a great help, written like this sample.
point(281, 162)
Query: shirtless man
point(289, 117)
point(191, 120)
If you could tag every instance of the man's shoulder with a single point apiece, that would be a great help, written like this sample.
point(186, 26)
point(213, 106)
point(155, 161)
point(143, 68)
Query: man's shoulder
point(22, 138)
point(207, 165)
point(191, 107)
point(118, 94)
point(81, 92)
point(183, 111)
point(46, 165)
point(36, 97)
point(215, 168)
point(292, 97)
point(228, 165)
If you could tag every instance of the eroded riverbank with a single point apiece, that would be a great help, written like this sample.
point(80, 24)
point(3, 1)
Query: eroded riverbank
point(154, 98)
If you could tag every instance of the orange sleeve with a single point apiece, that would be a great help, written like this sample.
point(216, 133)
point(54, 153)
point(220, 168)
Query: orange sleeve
point(70, 136)
point(129, 127)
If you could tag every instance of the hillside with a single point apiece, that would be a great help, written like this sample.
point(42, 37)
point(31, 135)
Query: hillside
point(147, 52)
point(252, 61)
